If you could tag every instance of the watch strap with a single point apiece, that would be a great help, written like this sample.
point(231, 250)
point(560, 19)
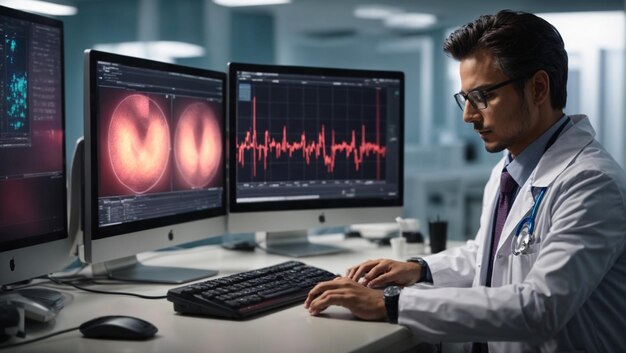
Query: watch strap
point(423, 267)
point(391, 306)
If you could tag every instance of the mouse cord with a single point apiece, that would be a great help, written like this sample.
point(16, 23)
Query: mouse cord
point(107, 292)
point(38, 338)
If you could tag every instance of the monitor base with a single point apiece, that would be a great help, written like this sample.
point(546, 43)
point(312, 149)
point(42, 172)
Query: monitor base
point(130, 269)
point(49, 297)
point(296, 244)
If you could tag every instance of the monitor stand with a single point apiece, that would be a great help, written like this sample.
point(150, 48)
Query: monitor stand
point(49, 297)
point(296, 244)
point(130, 269)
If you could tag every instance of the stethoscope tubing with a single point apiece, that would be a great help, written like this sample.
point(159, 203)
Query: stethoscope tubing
point(521, 247)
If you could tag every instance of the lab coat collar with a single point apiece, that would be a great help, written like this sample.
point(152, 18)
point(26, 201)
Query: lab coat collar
point(561, 154)
point(551, 165)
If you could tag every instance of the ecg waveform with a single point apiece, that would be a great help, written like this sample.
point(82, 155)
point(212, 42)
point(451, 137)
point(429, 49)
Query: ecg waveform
point(356, 149)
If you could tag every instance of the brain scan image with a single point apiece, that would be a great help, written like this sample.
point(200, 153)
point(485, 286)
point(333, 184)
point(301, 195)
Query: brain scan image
point(198, 145)
point(138, 143)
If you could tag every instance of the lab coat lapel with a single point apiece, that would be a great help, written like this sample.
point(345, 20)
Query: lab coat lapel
point(491, 197)
point(551, 164)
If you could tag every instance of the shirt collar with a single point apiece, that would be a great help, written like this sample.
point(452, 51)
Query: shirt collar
point(523, 165)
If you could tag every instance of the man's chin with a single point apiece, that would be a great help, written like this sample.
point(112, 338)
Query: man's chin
point(494, 148)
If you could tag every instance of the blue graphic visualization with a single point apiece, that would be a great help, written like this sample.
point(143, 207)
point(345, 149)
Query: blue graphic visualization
point(12, 44)
point(16, 94)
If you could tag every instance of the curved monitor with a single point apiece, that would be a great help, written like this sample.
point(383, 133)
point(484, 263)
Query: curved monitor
point(154, 161)
point(33, 211)
point(313, 147)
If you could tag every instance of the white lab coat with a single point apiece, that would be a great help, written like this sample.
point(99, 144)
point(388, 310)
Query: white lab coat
point(568, 293)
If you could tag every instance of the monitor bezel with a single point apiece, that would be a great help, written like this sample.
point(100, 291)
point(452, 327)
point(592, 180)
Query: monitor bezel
point(93, 232)
point(24, 256)
point(321, 204)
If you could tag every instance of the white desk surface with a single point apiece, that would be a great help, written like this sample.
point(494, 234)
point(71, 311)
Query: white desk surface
point(288, 330)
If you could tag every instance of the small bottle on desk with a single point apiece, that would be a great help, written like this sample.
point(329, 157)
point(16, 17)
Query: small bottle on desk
point(409, 229)
point(414, 243)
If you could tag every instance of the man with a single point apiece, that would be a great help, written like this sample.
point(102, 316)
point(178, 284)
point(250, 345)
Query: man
point(547, 269)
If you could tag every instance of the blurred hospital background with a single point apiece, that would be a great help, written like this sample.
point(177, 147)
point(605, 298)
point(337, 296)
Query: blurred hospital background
point(446, 165)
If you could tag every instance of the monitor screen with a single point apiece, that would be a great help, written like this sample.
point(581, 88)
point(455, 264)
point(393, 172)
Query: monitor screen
point(155, 154)
point(314, 146)
point(33, 211)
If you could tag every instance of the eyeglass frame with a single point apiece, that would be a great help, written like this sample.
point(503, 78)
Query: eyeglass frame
point(482, 94)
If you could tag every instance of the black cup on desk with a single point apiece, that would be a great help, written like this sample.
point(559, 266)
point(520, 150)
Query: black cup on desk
point(438, 234)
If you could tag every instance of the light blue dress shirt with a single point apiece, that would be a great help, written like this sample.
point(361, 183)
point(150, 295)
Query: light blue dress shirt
point(523, 165)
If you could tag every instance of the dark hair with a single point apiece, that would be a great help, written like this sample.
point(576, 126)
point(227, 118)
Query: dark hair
point(521, 44)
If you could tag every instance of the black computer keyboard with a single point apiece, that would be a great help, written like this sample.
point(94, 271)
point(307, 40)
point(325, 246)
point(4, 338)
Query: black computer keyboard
point(249, 293)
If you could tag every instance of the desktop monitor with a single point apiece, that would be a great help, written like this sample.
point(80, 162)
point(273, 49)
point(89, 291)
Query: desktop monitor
point(313, 147)
point(33, 209)
point(154, 162)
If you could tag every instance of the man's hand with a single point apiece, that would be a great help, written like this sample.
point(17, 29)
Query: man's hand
point(383, 272)
point(365, 303)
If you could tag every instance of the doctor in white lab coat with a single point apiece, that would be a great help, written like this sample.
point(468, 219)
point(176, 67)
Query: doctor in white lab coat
point(567, 291)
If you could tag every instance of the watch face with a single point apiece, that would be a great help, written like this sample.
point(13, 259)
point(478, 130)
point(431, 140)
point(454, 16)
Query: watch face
point(392, 291)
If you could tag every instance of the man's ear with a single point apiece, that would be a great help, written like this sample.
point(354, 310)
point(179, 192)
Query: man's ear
point(540, 87)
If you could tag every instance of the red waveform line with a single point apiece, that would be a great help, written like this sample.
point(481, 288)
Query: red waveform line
point(316, 148)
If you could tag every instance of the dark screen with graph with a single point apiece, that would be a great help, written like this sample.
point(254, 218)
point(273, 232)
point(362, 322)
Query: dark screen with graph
point(301, 136)
point(32, 160)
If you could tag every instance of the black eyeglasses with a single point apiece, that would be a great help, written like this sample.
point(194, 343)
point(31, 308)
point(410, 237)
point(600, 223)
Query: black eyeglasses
point(478, 97)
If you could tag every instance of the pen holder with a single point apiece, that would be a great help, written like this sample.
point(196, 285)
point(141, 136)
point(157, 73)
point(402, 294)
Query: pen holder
point(437, 232)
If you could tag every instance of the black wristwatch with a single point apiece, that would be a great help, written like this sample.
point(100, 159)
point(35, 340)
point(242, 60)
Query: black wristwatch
point(392, 297)
point(423, 266)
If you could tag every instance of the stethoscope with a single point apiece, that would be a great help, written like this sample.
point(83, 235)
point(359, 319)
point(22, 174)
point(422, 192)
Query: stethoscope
point(524, 233)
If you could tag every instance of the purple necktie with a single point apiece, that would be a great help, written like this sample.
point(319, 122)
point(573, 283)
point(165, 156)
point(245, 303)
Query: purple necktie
point(507, 194)
point(505, 200)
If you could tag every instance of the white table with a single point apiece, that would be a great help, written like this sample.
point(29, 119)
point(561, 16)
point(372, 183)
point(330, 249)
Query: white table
point(288, 330)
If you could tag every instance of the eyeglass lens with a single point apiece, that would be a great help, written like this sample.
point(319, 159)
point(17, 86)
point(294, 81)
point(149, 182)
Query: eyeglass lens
point(475, 98)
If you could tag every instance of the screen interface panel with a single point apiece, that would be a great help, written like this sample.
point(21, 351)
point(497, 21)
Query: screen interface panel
point(316, 137)
point(32, 165)
point(160, 144)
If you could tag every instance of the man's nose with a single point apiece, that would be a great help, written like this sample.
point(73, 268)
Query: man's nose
point(470, 113)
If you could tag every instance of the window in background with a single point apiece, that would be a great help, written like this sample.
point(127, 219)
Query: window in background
point(595, 44)
point(148, 44)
